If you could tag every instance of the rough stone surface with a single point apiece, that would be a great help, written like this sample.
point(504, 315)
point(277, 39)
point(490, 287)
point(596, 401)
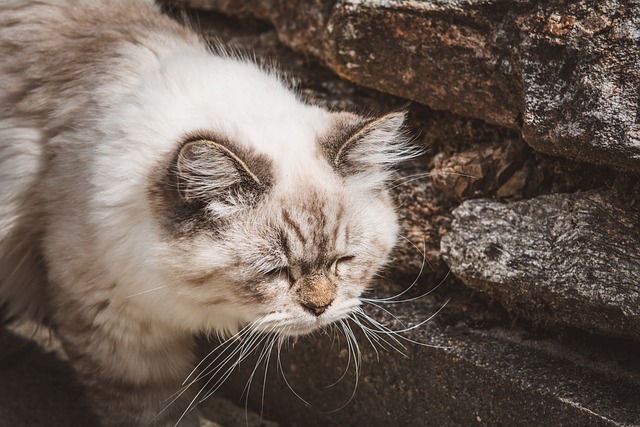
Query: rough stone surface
point(471, 368)
point(494, 376)
point(566, 74)
point(569, 259)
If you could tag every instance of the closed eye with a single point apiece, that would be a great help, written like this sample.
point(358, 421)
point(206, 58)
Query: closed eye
point(342, 261)
point(279, 272)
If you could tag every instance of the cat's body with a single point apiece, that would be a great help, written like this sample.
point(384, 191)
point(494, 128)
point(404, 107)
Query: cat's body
point(152, 191)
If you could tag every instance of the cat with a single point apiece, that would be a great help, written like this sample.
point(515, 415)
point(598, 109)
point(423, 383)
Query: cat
point(155, 188)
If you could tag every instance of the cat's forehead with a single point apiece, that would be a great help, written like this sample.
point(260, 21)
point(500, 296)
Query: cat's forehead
point(313, 225)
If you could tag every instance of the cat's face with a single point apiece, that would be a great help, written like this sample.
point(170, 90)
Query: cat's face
point(304, 256)
point(289, 248)
point(281, 223)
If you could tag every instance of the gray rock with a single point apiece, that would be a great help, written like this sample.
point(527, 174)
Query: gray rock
point(471, 376)
point(459, 375)
point(568, 259)
point(566, 74)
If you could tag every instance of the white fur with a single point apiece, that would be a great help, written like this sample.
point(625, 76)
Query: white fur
point(78, 177)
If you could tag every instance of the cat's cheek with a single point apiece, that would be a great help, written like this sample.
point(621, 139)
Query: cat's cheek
point(268, 296)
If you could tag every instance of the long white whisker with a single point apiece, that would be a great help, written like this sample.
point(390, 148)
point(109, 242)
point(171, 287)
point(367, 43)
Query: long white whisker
point(369, 336)
point(384, 330)
point(424, 260)
point(385, 310)
point(255, 368)
point(381, 338)
point(357, 360)
point(246, 352)
point(389, 300)
point(411, 178)
point(266, 370)
point(245, 348)
point(346, 369)
point(147, 291)
point(207, 370)
point(393, 332)
point(223, 345)
point(431, 173)
point(285, 377)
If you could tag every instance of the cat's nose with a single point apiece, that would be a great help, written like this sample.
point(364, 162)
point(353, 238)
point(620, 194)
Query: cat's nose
point(316, 292)
point(316, 310)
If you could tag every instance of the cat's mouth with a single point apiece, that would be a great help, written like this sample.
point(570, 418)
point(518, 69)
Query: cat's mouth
point(304, 322)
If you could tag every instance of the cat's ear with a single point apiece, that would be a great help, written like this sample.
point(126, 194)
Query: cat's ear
point(222, 180)
point(367, 150)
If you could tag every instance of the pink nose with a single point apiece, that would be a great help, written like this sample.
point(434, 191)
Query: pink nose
point(316, 310)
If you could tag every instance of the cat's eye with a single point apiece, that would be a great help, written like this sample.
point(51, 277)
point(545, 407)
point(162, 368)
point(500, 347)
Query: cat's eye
point(341, 262)
point(279, 272)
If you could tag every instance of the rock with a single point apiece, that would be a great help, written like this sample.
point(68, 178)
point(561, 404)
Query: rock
point(459, 376)
point(566, 74)
point(501, 169)
point(424, 217)
point(490, 373)
point(567, 259)
point(581, 79)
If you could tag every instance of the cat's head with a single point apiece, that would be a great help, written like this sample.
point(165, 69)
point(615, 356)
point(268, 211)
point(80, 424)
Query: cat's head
point(279, 217)
point(290, 241)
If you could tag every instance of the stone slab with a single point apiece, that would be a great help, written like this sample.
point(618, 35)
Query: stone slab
point(567, 259)
point(479, 370)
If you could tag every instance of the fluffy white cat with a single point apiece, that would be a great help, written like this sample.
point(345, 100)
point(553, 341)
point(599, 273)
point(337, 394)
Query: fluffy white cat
point(152, 190)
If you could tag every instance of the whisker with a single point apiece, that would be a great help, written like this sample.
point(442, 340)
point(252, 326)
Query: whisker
point(346, 369)
point(253, 336)
point(285, 377)
point(380, 338)
point(357, 360)
point(384, 330)
point(243, 355)
point(388, 300)
point(415, 281)
point(385, 310)
point(232, 339)
point(255, 368)
point(266, 370)
point(147, 291)
point(245, 348)
point(224, 346)
point(369, 336)
point(389, 331)
point(411, 178)
point(247, 388)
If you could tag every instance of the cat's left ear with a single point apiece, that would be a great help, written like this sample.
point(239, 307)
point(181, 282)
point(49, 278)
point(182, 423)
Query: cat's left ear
point(218, 176)
point(367, 150)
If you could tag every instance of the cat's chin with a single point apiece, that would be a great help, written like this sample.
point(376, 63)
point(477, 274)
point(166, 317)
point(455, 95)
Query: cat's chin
point(300, 329)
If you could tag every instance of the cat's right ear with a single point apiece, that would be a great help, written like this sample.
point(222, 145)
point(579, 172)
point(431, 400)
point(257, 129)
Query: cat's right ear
point(218, 177)
point(366, 150)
